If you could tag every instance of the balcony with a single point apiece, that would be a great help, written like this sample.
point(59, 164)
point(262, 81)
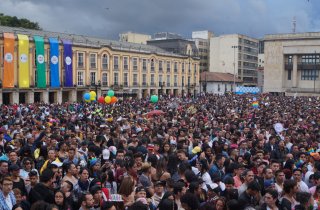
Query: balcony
point(152, 84)
point(135, 84)
point(288, 66)
point(302, 66)
point(160, 69)
point(125, 67)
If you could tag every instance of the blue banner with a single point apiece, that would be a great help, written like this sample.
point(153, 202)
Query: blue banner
point(54, 62)
point(67, 58)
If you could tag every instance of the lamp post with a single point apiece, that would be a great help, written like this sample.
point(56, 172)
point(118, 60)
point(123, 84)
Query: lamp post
point(96, 87)
point(234, 64)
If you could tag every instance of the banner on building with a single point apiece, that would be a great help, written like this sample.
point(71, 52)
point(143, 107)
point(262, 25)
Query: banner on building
point(67, 58)
point(24, 73)
point(41, 79)
point(8, 64)
point(54, 62)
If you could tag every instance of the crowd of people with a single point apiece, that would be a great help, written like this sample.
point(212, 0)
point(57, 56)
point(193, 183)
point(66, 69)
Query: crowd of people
point(208, 152)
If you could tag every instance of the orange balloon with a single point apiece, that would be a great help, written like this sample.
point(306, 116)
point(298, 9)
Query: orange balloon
point(114, 99)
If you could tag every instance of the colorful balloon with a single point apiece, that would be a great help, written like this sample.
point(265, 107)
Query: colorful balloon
point(110, 93)
point(87, 100)
point(101, 100)
point(107, 99)
point(154, 99)
point(93, 95)
point(114, 100)
point(86, 96)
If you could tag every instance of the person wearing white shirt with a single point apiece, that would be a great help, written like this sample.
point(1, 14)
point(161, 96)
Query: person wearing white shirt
point(297, 175)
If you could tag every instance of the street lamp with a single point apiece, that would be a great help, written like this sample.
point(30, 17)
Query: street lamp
point(234, 64)
point(161, 84)
point(96, 87)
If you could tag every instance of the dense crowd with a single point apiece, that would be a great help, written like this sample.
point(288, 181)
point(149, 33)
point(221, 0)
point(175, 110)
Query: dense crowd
point(208, 152)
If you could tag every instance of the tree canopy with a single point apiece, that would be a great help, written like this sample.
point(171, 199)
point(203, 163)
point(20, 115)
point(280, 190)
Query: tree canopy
point(13, 21)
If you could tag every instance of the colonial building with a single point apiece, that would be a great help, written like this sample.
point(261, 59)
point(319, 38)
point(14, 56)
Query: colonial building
point(292, 63)
point(57, 67)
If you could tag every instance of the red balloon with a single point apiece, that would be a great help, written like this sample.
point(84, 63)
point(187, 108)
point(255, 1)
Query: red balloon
point(101, 99)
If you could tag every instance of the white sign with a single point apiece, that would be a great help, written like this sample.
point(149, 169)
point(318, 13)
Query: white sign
point(68, 60)
point(40, 59)
point(23, 58)
point(8, 57)
point(278, 127)
point(54, 60)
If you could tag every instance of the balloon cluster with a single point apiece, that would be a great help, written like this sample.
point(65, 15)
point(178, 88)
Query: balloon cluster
point(109, 99)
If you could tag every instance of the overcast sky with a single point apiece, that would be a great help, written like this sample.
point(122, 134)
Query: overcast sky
point(108, 18)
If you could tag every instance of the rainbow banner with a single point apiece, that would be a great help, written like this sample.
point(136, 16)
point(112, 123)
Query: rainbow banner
point(8, 70)
point(54, 62)
point(41, 67)
point(255, 104)
point(24, 74)
point(67, 57)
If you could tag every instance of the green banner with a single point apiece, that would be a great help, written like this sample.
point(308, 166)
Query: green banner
point(41, 67)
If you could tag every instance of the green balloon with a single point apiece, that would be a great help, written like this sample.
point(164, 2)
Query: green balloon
point(154, 98)
point(110, 93)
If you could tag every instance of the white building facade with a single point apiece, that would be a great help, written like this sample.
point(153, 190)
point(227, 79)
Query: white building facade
point(292, 64)
point(235, 54)
point(202, 41)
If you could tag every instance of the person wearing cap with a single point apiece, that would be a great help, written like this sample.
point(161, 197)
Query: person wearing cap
point(158, 192)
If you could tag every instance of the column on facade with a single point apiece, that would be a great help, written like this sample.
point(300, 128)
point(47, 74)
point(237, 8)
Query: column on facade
point(294, 70)
point(73, 96)
point(45, 96)
point(59, 97)
point(15, 98)
point(30, 97)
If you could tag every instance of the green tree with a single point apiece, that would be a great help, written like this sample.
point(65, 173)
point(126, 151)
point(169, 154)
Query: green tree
point(6, 20)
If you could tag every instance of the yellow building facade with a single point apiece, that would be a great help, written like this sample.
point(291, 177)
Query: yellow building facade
point(131, 70)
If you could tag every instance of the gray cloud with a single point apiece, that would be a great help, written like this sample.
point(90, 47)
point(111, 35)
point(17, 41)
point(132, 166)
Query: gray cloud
point(108, 18)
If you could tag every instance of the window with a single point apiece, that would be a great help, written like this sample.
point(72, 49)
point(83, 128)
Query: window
point(225, 88)
point(182, 81)
point(160, 79)
point(125, 79)
point(144, 79)
point(80, 81)
point(289, 74)
point(135, 64)
point(152, 79)
point(189, 70)
point(168, 80)
point(152, 65)
point(80, 60)
point(104, 79)
point(135, 79)
point(168, 66)
point(195, 68)
point(105, 62)
point(115, 62)
point(144, 64)
point(309, 74)
point(189, 81)
point(218, 87)
point(160, 66)
point(310, 59)
point(175, 80)
point(93, 61)
point(92, 77)
point(125, 63)
point(176, 67)
point(182, 67)
point(115, 78)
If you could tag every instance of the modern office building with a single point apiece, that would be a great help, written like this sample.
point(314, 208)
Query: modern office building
point(292, 63)
point(134, 37)
point(260, 69)
point(57, 67)
point(235, 54)
point(202, 41)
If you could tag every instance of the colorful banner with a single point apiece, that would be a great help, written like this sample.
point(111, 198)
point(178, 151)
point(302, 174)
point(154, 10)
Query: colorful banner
point(24, 74)
point(41, 67)
point(54, 62)
point(8, 70)
point(67, 57)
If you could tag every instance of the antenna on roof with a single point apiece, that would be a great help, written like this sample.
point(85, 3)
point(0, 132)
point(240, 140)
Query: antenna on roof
point(294, 24)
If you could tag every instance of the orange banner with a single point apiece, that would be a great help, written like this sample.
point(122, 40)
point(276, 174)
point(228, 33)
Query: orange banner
point(8, 71)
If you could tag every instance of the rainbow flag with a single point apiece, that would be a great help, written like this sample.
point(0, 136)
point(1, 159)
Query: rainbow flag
point(255, 104)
